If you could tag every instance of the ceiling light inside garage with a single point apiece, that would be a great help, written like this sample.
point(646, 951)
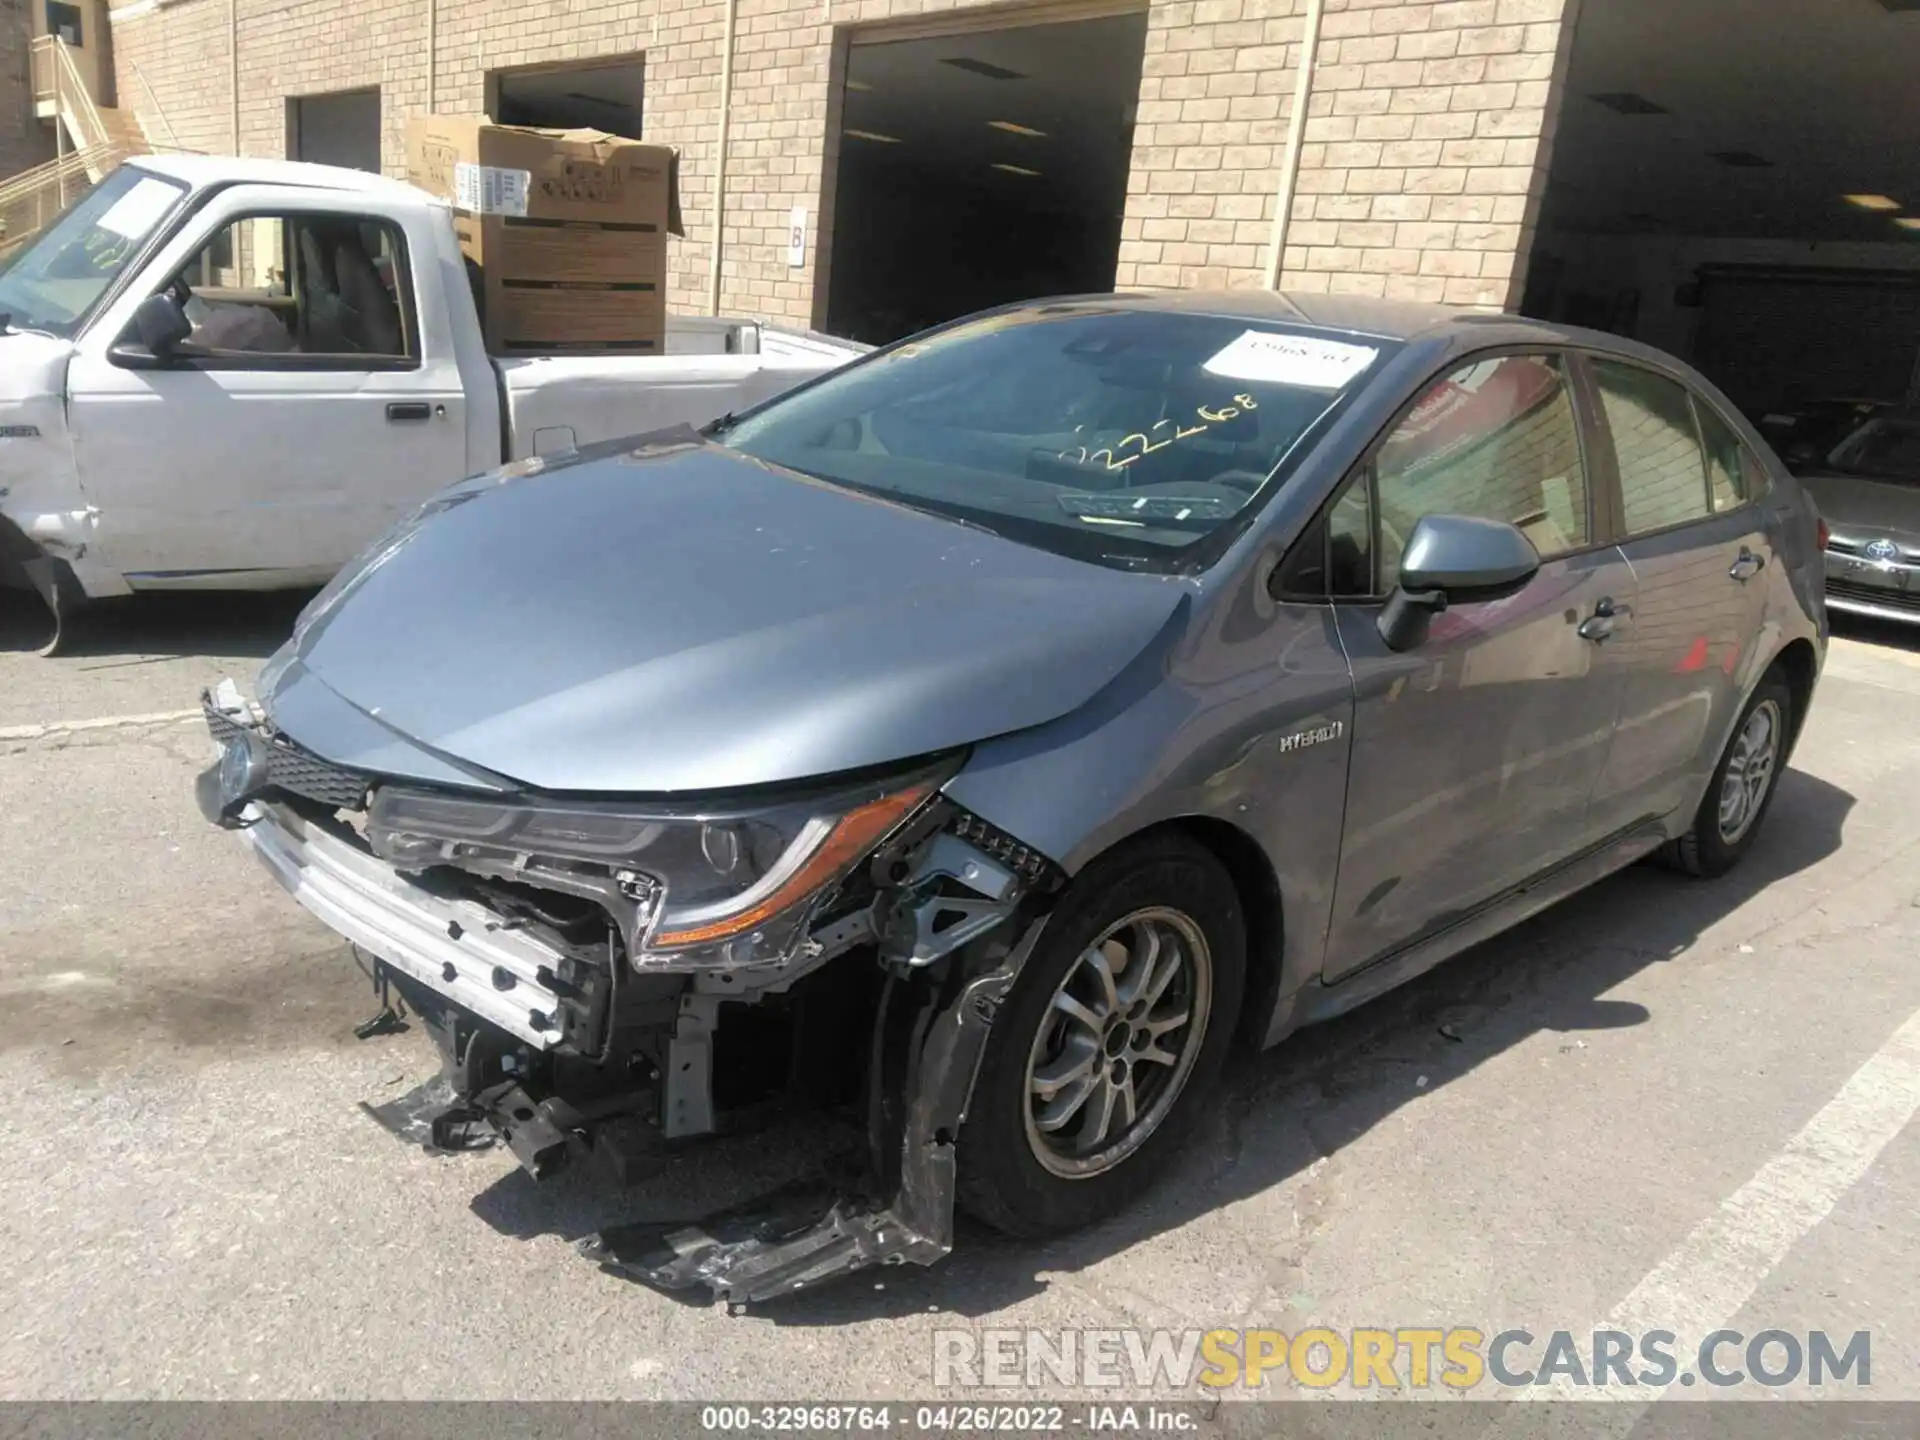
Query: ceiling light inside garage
point(1908, 222)
point(1872, 202)
point(872, 135)
point(1016, 129)
point(1014, 169)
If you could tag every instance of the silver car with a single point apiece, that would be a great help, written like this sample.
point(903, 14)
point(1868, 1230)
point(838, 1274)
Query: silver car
point(1867, 491)
point(991, 737)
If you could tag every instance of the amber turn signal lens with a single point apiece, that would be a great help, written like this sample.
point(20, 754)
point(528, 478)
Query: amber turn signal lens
point(857, 833)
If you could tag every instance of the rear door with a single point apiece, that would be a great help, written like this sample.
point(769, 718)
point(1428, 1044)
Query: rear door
point(1474, 755)
point(1683, 492)
point(305, 414)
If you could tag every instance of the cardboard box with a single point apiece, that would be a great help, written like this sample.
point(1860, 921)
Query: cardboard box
point(566, 230)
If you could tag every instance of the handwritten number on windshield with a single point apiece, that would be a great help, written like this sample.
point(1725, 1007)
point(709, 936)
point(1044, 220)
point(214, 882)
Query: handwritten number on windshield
point(1113, 459)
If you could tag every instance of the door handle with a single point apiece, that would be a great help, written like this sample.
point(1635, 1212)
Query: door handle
point(409, 410)
point(1600, 625)
point(1747, 565)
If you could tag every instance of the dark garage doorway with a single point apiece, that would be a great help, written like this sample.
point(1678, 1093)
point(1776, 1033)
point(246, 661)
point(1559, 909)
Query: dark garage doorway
point(338, 129)
point(603, 94)
point(978, 168)
point(1735, 181)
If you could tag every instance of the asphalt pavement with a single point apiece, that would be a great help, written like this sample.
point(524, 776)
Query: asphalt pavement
point(1664, 1103)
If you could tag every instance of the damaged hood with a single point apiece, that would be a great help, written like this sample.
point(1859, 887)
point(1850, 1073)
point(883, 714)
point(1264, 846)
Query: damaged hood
point(678, 617)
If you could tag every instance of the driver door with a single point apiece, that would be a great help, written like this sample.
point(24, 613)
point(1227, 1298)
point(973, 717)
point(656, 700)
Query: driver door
point(294, 426)
point(1476, 753)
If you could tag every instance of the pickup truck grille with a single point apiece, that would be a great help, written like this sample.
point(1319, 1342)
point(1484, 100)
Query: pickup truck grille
point(297, 771)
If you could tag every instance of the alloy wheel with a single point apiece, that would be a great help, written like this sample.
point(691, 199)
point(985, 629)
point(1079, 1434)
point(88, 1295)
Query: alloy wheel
point(1750, 770)
point(1118, 1041)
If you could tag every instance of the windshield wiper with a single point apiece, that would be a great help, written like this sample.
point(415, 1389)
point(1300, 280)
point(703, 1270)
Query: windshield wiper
point(714, 429)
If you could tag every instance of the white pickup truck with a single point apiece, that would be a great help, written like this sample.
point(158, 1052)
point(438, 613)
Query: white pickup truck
point(226, 374)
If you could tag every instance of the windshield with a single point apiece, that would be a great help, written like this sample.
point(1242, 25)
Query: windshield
point(1886, 449)
point(53, 283)
point(1115, 435)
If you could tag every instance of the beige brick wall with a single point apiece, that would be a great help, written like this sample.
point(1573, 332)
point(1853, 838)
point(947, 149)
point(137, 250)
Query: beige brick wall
point(1423, 158)
point(1418, 176)
point(24, 141)
point(170, 69)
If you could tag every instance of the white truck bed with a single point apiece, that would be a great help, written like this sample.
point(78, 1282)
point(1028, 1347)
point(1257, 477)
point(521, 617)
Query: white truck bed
point(556, 403)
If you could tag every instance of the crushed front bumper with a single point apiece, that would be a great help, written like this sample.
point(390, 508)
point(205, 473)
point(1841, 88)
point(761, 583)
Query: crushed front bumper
point(944, 984)
point(456, 948)
point(935, 1035)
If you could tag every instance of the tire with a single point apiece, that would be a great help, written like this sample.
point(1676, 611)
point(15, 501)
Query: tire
point(1021, 1168)
point(1711, 848)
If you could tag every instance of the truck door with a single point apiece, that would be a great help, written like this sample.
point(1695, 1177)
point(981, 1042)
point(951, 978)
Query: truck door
point(299, 420)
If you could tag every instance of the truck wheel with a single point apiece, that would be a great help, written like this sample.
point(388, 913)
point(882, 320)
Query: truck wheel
point(1743, 784)
point(1110, 1044)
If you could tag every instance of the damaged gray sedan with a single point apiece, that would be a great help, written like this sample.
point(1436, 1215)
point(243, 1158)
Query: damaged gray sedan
point(988, 736)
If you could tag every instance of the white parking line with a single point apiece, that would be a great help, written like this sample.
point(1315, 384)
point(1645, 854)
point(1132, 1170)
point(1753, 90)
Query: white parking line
point(55, 728)
point(1716, 1270)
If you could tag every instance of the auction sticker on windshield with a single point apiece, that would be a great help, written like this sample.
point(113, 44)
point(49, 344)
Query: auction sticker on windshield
point(1297, 360)
point(140, 209)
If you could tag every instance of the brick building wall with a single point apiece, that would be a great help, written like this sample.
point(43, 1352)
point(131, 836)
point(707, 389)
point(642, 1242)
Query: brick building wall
point(24, 140)
point(1422, 163)
point(1422, 168)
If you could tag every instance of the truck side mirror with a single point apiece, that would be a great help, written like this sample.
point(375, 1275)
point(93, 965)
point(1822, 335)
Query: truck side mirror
point(159, 327)
point(1449, 559)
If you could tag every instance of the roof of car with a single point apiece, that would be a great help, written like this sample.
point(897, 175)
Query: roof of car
point(1449, 327)
point(199, 170)
point(1365, 315)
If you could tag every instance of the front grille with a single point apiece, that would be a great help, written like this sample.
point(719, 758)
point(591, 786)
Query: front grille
point(1837, 546)
point(1904, 600)
point(297, 771)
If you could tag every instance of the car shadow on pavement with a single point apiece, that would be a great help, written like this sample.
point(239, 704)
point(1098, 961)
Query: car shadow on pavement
point(137, 628)
point(1894, 634)
point(1279, 1111)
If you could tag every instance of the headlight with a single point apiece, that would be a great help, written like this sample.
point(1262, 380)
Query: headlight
point(711, 884)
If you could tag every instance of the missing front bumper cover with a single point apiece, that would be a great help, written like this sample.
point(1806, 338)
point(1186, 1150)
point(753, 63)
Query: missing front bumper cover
point(799, 1237)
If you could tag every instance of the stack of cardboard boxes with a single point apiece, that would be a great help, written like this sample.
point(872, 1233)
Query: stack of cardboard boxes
point(564, 231)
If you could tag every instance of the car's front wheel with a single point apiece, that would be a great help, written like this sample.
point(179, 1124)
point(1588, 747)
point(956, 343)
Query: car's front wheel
point(1110, 1043)
point(1743, 784)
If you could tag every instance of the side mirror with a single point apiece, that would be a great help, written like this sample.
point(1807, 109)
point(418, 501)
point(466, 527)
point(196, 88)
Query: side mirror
point(1453, 558)
point(159, 326)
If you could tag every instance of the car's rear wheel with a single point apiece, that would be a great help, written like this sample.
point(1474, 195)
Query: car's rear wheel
point(1743, 784)
point(1110, 1043)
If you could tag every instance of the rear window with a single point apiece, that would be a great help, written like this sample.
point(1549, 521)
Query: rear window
point(1121, 436)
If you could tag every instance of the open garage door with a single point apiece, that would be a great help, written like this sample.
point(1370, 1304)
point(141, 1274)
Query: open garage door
point(1736, 181)
point(979, 167)
point(600, 94)
point(1777, 339)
